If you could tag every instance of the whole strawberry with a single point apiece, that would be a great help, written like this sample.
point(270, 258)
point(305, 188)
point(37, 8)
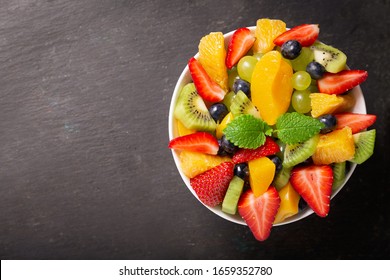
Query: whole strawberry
point(211, 186)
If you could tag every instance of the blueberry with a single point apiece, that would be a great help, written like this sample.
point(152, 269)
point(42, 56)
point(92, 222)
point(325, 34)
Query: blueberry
point(278, 163)
point(242, 85)
point(315, 69)
point(227, 146)
point(330, 122)
point(291, 49)
point(241, 170)
point(221, 151)
point(218, 111)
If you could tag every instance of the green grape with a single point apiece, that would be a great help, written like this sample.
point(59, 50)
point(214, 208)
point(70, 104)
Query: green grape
point(300, 63)
point(245, 67)
point(232, 76)
point(258, 56)
point(300, 101)
point(301, 80)
point(282, 147)
point(227, 100)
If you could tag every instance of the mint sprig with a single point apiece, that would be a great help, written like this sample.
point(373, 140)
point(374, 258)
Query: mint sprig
point(293, 128)
point(246, 131)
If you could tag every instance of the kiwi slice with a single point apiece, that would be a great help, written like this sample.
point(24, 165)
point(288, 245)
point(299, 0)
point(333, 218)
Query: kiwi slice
point(227, 100)
point(297, 153)
point(192, 111)
point(364, 145)
point(233, 193)
point(282, 178)
point(241, 105)
point(331, 58)
point(339, 169)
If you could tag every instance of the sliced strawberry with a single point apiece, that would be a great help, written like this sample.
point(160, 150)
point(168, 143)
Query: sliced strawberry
point(314, 184)
point(268, 148)
point(206, 87)
point(259, 212)
point(201, 142)
point(338, 83)
point(306, 34)
point(241, 42)
point(211, 186)
point(357, 122)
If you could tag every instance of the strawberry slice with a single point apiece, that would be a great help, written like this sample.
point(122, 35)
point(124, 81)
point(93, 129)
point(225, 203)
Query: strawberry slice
point(211, 186)
point(314, 184)
point(201, 142)
point(306, 34)
point(338, 83)
point(357, 122)
point(206, 87)
point(259, 212)
point(242, 41)
point(268, 148)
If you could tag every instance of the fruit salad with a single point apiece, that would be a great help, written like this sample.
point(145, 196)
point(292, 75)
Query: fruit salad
point(265, 127)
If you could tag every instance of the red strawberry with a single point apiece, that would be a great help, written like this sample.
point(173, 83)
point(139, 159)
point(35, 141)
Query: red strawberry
point(306, 34)
point(211, 186)
point(338, 83)
point(314, 184)
point(242, 41)
point(201, 142)
point(357, 122)
point(206, 87)
point(268, 148)
point(259, 212)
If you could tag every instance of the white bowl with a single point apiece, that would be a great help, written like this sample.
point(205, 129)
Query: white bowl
point(185, 78)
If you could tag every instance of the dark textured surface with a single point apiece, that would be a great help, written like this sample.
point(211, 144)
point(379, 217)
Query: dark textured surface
point(85, 172)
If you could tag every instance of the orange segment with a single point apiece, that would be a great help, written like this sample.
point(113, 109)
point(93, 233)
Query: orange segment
point(323, 103)
point(193, 163)
point(212, 55)
point(261, 174)
point(271, 86)
point(266, 31)
point(336, 146)
point(289, 200)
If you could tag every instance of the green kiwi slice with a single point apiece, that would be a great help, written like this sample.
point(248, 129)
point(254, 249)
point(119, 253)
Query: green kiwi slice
point(241, 105)
point(339, 171)
point(233, 193)
point(282, 178)
point(331, 58)
point(192, 111)
point(364, 145)
point(297, 153)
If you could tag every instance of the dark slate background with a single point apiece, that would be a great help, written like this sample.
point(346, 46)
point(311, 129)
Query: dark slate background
point(85, 172)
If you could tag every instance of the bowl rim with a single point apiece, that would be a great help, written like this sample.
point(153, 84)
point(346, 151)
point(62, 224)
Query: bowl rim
point(359, 107)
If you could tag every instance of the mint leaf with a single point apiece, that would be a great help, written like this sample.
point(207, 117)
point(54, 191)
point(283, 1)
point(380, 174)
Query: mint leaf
point(293, 128)
point(246, 131)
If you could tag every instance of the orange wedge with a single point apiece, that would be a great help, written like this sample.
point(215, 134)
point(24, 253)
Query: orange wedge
point(323, 103)
point(212, 55)
point(336, 146)
point(266, 31)
point(271, 86)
